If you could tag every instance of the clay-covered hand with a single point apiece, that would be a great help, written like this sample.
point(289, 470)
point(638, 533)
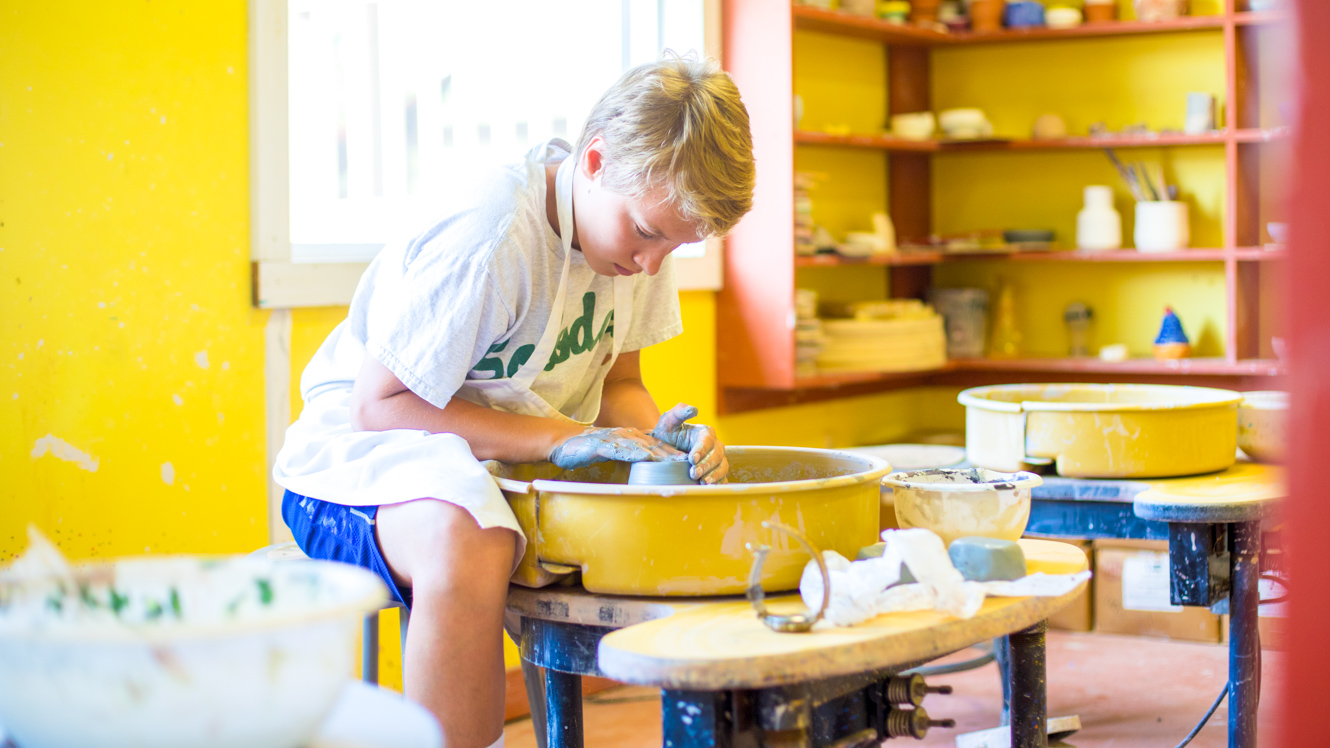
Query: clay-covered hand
point(603, 444)
point(705, 451)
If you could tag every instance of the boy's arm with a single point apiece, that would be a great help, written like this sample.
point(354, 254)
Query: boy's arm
point(380, 402)
point(624, 401)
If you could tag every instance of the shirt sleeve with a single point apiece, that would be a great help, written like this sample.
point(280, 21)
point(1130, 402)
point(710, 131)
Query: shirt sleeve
point(656, 316)
point(431, 319)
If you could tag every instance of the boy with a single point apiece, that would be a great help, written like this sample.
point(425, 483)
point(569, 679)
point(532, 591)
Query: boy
point(510, 331)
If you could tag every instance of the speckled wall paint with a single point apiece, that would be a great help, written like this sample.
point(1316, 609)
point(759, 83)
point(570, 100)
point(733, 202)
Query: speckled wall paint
point(131, 361)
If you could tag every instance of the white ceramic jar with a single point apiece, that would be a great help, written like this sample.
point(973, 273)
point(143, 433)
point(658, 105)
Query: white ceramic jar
point(1162, 226)
point(1098, 225)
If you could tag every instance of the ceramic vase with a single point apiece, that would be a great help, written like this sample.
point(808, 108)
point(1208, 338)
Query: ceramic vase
point(924, 11)
point(1100, 12)
point(986, 15)
point(1098, 225)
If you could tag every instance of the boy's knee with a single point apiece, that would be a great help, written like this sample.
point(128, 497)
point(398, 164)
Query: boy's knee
point(450, 548)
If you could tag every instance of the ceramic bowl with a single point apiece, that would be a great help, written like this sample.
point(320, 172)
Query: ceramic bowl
point(965, 122)
point(961, 502)
point(671, 473)
point(200, 653)
point(914, 126)
point(1262, 420)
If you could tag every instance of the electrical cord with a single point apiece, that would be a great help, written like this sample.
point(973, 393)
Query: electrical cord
point(929, 671)
point(1195, 730)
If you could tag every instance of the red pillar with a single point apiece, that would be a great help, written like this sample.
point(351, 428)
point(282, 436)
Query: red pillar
point(1306, 688)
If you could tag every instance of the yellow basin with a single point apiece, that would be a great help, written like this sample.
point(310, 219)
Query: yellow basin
point(689, 540)
point(1102, 430)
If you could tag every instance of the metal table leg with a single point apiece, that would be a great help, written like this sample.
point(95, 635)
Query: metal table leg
point(563, 709)
point(696, 718)
point(1244, 654)
point(1029, 687)
point(369, 648)
point(534, 680)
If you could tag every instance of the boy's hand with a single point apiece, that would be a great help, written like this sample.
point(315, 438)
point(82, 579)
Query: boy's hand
point(602, 444)
point(705, 451)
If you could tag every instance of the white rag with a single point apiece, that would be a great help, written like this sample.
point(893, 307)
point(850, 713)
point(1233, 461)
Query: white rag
point(861, 590)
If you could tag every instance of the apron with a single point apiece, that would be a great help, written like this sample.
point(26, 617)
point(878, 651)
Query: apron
point(322, 457)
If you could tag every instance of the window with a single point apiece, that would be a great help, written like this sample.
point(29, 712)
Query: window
point(364, 109)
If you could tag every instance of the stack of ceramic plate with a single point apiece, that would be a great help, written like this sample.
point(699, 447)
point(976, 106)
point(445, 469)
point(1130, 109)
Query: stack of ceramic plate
point(909, 343)
point(803, 216)
point(808, 336)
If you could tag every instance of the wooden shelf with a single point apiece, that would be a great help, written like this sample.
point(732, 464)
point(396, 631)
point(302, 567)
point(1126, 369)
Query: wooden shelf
point(872, 377)
point(1254, 135)
point(1244, 254)
point(1089, 30)
point(871, 142)
point(807, 18)
point(884, 142)
point(1186, 366)
point(901, 258)
point(1263, 18)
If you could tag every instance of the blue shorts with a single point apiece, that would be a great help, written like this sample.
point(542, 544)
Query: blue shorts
point(334, 532)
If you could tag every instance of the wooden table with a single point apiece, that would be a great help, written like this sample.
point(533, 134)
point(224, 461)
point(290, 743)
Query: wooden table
point(727, 680)
point(1213, 525)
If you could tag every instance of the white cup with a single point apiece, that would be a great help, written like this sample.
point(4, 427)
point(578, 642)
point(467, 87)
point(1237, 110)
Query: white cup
point(1162, 226)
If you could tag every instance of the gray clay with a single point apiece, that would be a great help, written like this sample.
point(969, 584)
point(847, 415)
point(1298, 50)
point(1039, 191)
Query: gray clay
point(671, 473)
point(987, 559)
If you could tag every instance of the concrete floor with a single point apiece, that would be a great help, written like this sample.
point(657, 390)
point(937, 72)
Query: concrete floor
point(1129, 691)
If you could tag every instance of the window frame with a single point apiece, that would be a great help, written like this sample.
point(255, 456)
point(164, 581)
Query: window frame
point(279, 282)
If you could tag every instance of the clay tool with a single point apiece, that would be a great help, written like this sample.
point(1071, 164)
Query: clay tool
point(1127, 175)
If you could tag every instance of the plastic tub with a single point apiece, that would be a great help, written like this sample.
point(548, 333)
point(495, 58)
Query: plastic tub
point(1102, 430)
point(193, 658)
point(690, 540)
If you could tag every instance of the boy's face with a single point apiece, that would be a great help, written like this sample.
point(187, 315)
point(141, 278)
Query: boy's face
point(621, 235)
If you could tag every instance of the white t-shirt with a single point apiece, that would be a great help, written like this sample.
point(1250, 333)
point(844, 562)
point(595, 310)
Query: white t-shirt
point(470, 297)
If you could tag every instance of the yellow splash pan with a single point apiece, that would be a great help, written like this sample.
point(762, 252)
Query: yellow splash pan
point(690, 540)
point(1102, 430)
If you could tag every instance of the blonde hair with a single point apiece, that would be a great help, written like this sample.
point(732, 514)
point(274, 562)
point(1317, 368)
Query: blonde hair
point(678, 124)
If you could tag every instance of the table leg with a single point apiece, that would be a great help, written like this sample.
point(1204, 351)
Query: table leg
point(1029, 687)
point(563, 709)
point(693, 719)
point(369, 648)
point(535, 697)
point(1244, 654)
point(1002, 653)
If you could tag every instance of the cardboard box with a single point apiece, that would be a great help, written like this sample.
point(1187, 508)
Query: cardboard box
point(1079, 615)
point(1131, 595)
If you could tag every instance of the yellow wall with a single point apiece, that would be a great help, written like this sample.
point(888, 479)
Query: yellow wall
point(124, 256)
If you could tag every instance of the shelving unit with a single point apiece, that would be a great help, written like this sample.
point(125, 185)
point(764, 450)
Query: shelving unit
point(755, 309)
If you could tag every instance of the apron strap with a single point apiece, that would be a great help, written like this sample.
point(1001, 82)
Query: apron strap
point(563, 190)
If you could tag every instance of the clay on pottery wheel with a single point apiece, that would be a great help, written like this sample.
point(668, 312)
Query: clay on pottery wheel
point(671, 473)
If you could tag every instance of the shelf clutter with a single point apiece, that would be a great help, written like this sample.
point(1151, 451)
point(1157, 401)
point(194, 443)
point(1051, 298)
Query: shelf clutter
point(950, 233)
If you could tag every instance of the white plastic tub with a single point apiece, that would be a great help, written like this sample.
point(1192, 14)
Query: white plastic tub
point(195, 657)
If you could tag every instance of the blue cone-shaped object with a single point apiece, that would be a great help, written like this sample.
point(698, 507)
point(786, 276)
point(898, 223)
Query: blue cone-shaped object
point(1171, 330)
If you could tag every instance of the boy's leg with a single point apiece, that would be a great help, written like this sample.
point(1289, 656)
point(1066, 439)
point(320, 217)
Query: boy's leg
point(458, 574)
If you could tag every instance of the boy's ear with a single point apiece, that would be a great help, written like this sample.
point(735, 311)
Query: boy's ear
point(593, 158)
